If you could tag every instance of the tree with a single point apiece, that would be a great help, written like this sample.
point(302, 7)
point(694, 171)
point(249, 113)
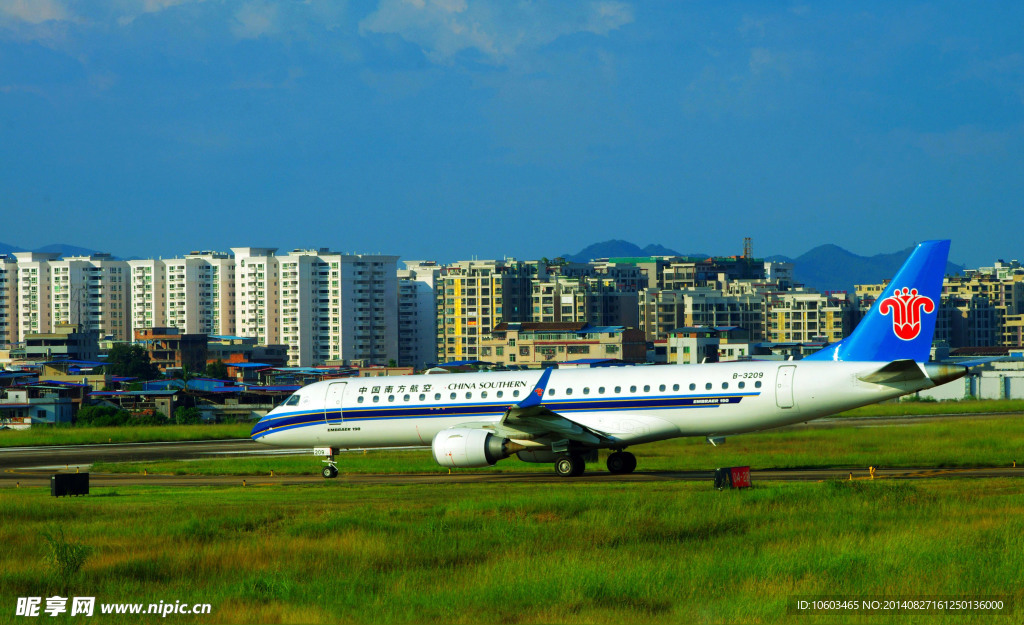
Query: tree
point(131, 361)
point(217, 370)
point(187, 416)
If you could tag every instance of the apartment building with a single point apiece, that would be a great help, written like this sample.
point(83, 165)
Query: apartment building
point(805, 317)
point(8, 301)
point(34, 289)
point(474, 296)
point(417, 314)
point(533, 344)
point(257, 301)
point(200, 293)
point(588, 299)
point(147, 294)
point(92, 291)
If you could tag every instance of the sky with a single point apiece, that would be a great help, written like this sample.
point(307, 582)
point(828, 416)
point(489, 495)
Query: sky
point(454, 129)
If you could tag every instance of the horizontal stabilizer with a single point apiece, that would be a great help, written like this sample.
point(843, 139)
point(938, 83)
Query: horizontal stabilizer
point(896, 371)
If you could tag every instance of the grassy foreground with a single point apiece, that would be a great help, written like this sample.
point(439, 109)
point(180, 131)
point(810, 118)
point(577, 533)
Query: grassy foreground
point(561, 553)
point(955, 442)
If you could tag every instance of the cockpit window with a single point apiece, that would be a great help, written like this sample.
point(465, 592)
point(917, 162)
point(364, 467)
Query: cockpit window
point(293, 400)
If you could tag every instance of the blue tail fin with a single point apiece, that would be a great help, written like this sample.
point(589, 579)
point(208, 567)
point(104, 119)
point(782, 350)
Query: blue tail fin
point(901, 323)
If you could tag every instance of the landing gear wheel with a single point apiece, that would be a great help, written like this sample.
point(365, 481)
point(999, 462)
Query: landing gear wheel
point(570, 466)
point(330, 471)
point(621, 462)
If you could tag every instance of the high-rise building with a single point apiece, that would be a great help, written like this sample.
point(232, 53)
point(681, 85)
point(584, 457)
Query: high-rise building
point(147, 293)
point(92, 291)
point(34, 289)
point(8, 301)
point(417, 314)
point(474, 296)
point(257, 298)
point(200, 293)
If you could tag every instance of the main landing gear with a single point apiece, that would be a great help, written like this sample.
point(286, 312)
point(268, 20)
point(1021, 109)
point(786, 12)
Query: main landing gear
point(621, 462)
point(573, 465)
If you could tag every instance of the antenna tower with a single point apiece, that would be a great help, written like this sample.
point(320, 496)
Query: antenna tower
point(748, 248)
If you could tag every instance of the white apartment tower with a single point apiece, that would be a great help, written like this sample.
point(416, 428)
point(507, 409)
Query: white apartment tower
point(34, 312)
point(200, 293)
point(417, 313)
point(339, 307)
point(8, 301)
point(257, 299)
point(147, 294)
point(92, 291)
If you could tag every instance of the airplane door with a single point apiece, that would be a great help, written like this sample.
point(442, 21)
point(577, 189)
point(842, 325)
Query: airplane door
point(784, 386)
point(332, 402)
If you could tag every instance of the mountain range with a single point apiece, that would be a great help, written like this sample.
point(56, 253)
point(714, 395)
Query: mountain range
point(825, 268)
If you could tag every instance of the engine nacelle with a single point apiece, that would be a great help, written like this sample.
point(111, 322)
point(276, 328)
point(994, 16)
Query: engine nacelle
point(469, 447)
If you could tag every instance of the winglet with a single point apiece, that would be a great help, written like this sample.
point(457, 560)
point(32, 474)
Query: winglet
point(537, 394)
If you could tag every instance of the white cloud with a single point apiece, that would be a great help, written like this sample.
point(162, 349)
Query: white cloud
point(34, 11)
point(255, 20)
point(498, 30)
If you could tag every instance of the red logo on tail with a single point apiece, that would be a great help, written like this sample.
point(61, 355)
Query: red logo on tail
point(906, 306)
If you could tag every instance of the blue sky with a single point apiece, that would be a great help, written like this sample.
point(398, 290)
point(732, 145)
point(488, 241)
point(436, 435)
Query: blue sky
point(450, 129)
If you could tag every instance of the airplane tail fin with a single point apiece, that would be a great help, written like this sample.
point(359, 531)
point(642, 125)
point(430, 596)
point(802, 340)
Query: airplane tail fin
point(901, 323)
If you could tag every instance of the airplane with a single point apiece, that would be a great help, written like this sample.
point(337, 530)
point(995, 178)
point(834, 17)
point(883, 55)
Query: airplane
point(563, 416)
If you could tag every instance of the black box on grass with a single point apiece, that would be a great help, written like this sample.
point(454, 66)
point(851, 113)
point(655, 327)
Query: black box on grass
point(69, 484)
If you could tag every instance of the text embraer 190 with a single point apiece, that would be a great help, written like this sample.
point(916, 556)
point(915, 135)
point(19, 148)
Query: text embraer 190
point(563, 416)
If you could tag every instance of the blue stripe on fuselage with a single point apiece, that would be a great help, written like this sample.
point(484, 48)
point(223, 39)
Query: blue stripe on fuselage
point(293, 420)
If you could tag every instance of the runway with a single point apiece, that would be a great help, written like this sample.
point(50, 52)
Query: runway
point(25, 467)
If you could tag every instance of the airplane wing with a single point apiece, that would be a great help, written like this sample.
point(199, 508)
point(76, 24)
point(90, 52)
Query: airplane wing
point(530, 415)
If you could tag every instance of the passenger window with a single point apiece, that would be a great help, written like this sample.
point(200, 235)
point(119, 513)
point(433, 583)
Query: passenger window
point(405, 398)
point(647, 388)
point(483, 395)
point(675, 387)
point(693, 386)
point(742, 384)
point(501, 394)
point(423, 397)
point(391, 398)
point(725, 385)
point(568, 391)
point(662, 388)
point(454, 395)
point(551, 391)
point(376, 398)
point(708, 386)
point(437, 396)
point(757, 384)
point(632, 389)
point(469, 395)
point(618, 389)
point(586, 390)
point(600, 390)
point(515, 393)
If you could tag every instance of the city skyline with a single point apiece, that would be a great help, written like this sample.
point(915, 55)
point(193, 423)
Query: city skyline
point(462, 129)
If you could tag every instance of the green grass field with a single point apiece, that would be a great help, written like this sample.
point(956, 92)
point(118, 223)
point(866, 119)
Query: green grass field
point(519, 553)
point(954, 442)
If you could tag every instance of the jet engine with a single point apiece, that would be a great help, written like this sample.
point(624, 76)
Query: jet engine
point(469, 447)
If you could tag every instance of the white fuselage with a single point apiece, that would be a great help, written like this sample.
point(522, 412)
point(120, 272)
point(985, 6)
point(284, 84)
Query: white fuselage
point(628, 404)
